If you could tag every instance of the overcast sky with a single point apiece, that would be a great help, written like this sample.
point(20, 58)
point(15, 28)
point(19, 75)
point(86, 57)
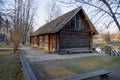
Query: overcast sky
point(41, 13)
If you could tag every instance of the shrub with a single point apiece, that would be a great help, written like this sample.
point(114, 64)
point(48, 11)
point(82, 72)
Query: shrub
point(107, 49)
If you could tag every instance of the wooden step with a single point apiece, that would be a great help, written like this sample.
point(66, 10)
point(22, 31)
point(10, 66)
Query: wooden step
point(76, 50)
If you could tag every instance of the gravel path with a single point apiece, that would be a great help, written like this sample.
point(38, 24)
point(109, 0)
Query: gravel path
point(6, 48)
point(36, 55)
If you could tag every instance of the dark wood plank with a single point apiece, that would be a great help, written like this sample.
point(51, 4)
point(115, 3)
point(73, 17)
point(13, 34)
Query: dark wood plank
point(85, 75)
point(27, 70)
point(76, 50)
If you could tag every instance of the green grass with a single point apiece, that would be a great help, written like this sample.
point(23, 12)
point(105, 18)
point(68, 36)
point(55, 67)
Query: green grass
point(4, 45)
point(10, 68)
point(4, 52)
point(59, 68)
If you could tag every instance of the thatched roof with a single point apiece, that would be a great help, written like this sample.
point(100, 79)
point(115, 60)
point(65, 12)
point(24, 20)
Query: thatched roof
point(58, 23)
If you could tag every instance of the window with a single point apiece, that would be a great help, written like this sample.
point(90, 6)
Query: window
point(43, 38)
point(78, 23)
point(75, 23)
point(72, 26)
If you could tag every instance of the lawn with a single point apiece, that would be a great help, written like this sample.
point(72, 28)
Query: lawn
point(7, 51)
point(4, 45)
point(4, 52)
point(46, 70)
point(9, 66)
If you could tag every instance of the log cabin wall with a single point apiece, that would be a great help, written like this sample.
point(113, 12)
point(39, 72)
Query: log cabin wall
point(52, 43)
point(91, 40)
point(75, 34)
point(37, 43)
point(57, 41)
point(44, 42)
point(34, 41)
point(31, 40)
point(74, 40)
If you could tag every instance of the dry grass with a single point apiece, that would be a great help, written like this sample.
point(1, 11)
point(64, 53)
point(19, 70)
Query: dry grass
point(9, 67)
point(58, 68)
point(4, 52)
point(4, 45)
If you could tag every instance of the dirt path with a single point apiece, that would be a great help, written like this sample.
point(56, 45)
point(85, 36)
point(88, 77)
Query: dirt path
point(36, 55)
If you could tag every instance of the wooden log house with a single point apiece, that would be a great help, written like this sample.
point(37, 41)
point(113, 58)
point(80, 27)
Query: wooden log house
point(73, 30)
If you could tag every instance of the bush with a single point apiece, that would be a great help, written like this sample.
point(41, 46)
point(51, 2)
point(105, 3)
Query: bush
point(119, 48)
point(107, 49)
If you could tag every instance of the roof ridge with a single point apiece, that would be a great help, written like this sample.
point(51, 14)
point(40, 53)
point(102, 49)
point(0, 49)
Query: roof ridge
point(78, 8)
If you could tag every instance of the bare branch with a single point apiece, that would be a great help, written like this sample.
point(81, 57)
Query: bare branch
point(98, 8)
point(109, 7)
point(52, 11)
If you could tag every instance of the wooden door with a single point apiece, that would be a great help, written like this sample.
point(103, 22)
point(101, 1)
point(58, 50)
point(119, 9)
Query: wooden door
point(52, 42)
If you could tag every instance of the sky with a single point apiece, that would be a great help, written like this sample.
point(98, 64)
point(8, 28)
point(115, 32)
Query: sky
point(41, 15)
point(41, 12)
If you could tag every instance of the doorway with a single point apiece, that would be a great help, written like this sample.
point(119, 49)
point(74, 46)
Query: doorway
point(52, 43)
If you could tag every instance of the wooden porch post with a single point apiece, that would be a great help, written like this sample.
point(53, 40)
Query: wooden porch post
point(91, 40)
point(57, 41)
point(48, 42)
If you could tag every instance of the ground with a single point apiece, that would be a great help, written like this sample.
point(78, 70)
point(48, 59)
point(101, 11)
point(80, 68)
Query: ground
point(9, 67)
point(9, 64)
point(50, 66)
point(35, 55)
point(58, 68)
point(4, 45)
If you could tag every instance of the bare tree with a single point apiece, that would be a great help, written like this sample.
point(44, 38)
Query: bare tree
point(6, 26)
point(21, 21)
point(106, 9)
point(1, 22)
point(1, 18)
point(28, 15)
point(52, 10)
point(1, 3)
point(16, 31)
point(16, 37)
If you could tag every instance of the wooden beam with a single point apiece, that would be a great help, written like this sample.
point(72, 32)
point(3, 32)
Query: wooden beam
point(48, 42)
point(57, 41)
point(91, 40)
point(27, 70)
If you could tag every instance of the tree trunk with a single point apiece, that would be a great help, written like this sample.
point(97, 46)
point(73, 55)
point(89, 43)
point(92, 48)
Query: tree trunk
point(15, 50)
point(118, 25)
